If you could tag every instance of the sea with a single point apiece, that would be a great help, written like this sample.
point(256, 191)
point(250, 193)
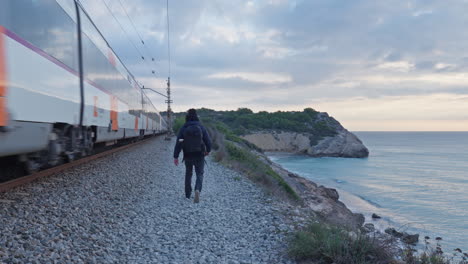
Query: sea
point(416, 181)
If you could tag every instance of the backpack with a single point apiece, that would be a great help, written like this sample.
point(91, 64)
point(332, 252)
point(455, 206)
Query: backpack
point(193, 139)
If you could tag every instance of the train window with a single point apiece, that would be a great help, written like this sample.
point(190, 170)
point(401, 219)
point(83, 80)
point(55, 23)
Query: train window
point(4, 14)
point(149, 109)
point(92, 33)
point(101, 67)
point(45, 25)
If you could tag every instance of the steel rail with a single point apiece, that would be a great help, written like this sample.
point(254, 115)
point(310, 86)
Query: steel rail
point(9, 185)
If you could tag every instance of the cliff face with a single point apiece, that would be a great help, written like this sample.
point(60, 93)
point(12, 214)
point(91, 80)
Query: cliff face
point(342, 144)
point(280, 141)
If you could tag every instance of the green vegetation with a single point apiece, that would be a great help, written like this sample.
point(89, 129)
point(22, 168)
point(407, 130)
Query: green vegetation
point(323, 243)
point(330, 244)
point(178, 123)
point(258, 170)
point(244, 120)
point(433, 256)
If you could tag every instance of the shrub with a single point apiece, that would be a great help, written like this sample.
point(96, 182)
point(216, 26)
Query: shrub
point(433, 256)
point(330, 244)
point(324, 243)
point(178, 123)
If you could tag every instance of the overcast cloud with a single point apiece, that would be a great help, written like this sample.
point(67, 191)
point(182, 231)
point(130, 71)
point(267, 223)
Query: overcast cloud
point(374, 65)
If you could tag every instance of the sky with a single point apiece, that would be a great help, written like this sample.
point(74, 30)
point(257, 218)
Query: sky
point(374, 65)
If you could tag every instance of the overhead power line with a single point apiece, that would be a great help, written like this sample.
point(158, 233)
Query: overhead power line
point(136, 30)
point(168, 41)
point(127, 35)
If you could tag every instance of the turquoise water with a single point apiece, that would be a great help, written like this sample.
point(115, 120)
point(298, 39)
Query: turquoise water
point(417, 181)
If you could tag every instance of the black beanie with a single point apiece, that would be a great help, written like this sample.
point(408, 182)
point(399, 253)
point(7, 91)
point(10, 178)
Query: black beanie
point(192, 112)
point(191, 115)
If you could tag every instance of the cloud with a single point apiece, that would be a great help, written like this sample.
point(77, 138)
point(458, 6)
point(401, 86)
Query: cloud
point(424, 107)
point(435, 112)
point(444, 66)
point(422, 13)
point(264, 77)
point(444, 80)
point(400, 66)
point(277, 2)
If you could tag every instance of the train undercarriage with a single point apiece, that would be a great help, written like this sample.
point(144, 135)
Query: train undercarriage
point(61, 143)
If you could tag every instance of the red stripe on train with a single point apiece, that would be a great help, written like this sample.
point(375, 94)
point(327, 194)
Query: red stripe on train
point(114, 113)
point(3, 81)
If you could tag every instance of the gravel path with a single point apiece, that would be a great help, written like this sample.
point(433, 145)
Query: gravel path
point(130, 208)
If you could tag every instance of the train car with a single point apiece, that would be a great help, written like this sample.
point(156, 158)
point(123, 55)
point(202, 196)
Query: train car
point(152, 121)
point(62, 87)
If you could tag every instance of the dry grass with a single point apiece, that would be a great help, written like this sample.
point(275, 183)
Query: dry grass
point(433, 254)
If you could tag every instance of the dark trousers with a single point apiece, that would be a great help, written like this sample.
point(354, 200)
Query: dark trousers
point(199, 164)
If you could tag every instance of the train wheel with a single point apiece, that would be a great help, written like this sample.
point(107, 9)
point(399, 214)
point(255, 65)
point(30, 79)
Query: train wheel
point(55, 149)
point(88, 142)
point(31, 162)
point(68, 138)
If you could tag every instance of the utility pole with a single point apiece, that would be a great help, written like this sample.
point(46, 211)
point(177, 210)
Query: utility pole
point(169, 110)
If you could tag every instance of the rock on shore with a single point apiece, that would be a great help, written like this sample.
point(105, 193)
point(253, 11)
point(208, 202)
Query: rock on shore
point(342, 144)
point(323, 201)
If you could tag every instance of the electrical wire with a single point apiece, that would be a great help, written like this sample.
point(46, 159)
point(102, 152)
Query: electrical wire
point(168, 41)
point(126, 34)
point(136, 30)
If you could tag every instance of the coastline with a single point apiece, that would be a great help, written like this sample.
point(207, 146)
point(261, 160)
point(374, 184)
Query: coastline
point(360, 205)
point(356, 205)
point(320, 199)
point(353, 202)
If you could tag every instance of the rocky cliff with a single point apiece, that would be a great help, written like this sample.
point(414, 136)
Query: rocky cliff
point(342, 144)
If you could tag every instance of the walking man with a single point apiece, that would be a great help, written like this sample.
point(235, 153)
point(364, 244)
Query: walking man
point(196, 144)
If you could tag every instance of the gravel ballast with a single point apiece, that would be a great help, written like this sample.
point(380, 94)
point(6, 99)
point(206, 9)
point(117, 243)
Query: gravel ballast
point(130, 207)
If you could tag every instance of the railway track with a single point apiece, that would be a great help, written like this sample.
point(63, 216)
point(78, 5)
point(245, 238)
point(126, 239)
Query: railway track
point(11, 184)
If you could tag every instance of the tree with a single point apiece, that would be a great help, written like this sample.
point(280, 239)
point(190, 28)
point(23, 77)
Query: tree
point(244, 111)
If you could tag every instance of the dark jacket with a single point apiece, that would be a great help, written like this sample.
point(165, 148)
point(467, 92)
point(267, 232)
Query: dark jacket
point(178, 146)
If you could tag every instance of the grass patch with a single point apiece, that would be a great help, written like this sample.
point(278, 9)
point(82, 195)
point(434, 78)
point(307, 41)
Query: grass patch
point(256, 168)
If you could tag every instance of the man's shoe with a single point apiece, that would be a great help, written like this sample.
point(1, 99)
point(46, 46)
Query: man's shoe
point(197, 197)
point(188, 196)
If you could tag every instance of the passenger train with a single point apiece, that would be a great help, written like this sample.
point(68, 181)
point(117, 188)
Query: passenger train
point(62, 87)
